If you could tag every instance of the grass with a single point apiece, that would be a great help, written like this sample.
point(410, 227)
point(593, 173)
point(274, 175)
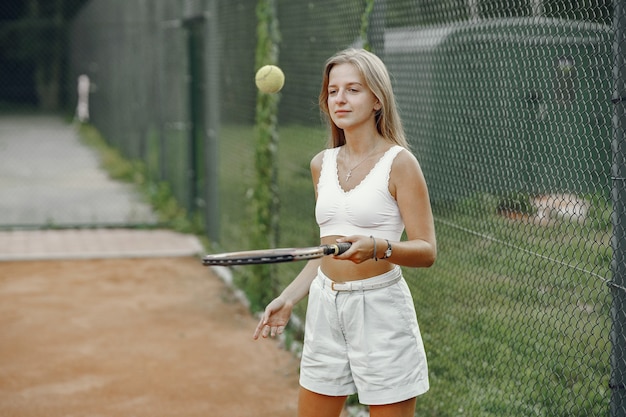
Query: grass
point(514, 315)
point(297, 223)
point(157, 193)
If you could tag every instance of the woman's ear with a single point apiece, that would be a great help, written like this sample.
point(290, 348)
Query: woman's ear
point(377, 106)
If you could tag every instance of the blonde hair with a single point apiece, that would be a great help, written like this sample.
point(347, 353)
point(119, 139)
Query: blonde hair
point(374, 72)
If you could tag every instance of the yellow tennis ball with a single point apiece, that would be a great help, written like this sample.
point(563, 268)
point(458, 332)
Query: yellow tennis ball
point(269, 79)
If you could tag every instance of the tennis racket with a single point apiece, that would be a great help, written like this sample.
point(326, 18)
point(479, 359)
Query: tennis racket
point(271, 256)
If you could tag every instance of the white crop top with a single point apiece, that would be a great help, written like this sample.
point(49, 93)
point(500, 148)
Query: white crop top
point(368, 209)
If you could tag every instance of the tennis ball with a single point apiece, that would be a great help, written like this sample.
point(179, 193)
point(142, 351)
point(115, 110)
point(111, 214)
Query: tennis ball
point(269, 79)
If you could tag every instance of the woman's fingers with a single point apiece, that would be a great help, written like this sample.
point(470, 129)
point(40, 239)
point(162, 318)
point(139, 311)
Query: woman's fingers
point(277, 331)
point(271, 323)
point(258, 330)
point(266, 330)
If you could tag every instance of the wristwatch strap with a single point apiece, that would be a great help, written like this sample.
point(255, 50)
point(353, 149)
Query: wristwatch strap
point(388, 251)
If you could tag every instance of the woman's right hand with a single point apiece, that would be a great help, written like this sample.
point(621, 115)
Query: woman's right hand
point(274, 319)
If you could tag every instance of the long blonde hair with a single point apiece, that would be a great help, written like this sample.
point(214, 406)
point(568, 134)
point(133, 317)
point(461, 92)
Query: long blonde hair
point(374, 72)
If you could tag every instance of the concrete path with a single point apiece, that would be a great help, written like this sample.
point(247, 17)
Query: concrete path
point(38, 245)
point(56, 202)
point(48, 178)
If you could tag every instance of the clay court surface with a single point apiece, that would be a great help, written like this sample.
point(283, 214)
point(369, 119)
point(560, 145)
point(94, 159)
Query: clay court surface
point(114, 322)
point(133, 337)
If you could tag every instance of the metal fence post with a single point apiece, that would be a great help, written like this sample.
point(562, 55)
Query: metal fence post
point(195, 50)
point(618, 311)
point(211, 136)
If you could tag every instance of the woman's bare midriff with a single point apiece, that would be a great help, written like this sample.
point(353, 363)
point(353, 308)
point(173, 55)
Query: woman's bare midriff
point(345, 270)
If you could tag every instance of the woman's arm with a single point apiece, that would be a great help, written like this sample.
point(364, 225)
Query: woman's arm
point(408, 186)
point(278, 312)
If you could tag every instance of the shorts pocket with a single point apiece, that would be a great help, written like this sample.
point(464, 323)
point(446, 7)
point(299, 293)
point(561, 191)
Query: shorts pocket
point(400, 298)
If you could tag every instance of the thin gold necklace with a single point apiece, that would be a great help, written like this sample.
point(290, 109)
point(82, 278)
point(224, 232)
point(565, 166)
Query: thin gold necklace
point(349, 174)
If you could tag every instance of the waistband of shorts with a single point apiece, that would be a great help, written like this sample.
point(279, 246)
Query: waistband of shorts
point(373, 283)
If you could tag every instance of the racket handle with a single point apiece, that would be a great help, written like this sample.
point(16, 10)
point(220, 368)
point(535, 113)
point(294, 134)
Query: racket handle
point(337, 248)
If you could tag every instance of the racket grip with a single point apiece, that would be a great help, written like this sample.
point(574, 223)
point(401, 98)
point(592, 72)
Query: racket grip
point(337, 248)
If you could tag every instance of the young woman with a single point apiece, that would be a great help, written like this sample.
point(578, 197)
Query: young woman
point(361, 331)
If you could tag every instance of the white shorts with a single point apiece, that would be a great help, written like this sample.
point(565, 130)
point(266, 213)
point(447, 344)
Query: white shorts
point(363, 341)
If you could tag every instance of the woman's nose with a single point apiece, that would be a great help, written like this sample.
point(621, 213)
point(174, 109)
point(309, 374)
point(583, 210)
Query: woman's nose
point(340, 96)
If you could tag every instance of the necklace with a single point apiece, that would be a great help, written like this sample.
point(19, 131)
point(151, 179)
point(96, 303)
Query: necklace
point(349, 173)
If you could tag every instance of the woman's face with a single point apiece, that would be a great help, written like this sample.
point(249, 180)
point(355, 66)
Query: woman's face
point(350, 103)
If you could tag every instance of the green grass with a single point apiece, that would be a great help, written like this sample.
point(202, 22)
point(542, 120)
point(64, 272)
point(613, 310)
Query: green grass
point(515, 316)
point(297, 223)
point(157, 193)
point(297, 147)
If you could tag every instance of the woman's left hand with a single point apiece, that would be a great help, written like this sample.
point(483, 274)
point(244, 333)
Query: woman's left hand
point(362, 248)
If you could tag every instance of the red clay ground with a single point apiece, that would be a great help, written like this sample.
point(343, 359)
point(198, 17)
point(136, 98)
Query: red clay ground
point(133, 337)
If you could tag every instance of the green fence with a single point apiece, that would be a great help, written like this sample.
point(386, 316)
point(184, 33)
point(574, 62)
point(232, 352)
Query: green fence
point(508, 108)
point(538, 86)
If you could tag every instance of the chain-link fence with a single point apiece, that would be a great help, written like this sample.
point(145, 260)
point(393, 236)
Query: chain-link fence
point(515, 111)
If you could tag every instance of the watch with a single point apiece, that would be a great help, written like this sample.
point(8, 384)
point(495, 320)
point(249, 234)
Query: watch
point(388, 251)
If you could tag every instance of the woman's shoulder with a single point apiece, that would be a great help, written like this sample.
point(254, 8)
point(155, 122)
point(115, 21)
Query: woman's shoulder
point(403, 155)
point(405, 163)
point(318, 159)
point(406, 173)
